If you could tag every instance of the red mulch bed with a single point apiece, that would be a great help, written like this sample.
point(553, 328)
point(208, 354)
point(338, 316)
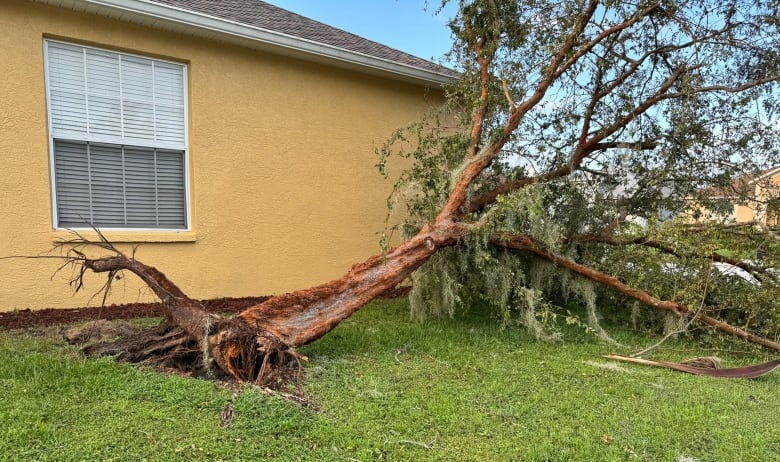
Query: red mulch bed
point(55, 316)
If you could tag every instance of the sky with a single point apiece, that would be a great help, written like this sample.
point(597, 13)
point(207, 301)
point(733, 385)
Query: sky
point(407, 25)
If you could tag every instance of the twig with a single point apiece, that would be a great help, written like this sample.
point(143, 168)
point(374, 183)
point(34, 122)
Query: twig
point(299, 400)
point(509, 99)
point(416, 443)
point(682, 330)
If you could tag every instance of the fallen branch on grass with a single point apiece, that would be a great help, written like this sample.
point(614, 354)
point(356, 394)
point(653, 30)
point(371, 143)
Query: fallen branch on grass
point(747, 372)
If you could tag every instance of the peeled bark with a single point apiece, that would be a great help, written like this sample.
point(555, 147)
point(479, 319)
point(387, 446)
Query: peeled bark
point(259, 342)
point(747, 372)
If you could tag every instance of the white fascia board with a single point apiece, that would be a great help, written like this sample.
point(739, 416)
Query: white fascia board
point(767, 174)
point(169, 17)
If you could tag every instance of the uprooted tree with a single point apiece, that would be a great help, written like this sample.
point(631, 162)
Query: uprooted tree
point(578, 138)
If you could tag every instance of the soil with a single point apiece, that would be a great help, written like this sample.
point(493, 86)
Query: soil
point(55, 316)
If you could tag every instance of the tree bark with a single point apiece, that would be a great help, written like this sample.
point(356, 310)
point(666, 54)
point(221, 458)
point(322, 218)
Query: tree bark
point(301, 317)
point(260, 341)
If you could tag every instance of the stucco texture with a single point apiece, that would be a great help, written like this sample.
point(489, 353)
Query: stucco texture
point(283, 189)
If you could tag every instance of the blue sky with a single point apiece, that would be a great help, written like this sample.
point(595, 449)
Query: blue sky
point(403, 24)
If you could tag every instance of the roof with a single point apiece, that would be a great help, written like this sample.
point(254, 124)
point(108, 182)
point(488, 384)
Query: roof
point(741, 184)
point(260, 25)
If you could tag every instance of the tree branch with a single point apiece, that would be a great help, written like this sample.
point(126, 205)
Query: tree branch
point(604, 34)
point(480, 202)
point(754, 270)
point(527, 244)
point(478, 118)
point(478, 161)
point(187, 313)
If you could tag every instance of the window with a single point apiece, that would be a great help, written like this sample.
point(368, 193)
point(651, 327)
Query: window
point(118, 139)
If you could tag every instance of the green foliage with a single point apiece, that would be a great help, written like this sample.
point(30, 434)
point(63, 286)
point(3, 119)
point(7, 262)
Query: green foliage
point(516, 289)
point(435, 150)
point(656, 111)
point(686, 272)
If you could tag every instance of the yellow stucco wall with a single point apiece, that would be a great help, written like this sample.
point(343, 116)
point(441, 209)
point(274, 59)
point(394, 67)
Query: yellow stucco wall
point(763, 192)
point(283, 189)
point(744, 213)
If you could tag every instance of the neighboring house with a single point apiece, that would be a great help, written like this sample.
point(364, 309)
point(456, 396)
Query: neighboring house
point(231, 140)
point(750, 198)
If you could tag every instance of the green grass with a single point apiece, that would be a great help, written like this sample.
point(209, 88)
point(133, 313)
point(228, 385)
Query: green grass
point(387, 388)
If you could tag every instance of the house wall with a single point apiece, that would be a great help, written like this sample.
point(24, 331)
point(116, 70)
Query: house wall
point(283, 189)
point(761, 205)
point(744, 213)
point(740, 213)
point(766, 191)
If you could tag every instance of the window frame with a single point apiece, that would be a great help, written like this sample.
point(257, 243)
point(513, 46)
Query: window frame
point(89, 140)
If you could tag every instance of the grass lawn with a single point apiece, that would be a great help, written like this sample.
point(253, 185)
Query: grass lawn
point(387, 388)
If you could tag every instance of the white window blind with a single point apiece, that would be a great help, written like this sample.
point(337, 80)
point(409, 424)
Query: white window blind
point(119, 186)
point(118, 136)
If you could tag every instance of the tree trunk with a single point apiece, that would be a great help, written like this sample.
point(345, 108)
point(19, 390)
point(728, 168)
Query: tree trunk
point(262, 335)
point(259, 343)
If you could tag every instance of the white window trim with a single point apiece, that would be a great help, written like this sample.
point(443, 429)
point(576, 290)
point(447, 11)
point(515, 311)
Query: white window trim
point(90, 139)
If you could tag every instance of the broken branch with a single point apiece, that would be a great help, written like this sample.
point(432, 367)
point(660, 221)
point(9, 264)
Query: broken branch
point(746, 372)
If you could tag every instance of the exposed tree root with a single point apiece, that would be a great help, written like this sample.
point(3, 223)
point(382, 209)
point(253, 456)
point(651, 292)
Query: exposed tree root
point(254, 355)
point(259, 359)
point(165, 346)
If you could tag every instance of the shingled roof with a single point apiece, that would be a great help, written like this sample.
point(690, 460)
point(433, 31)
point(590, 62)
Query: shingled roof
point(742, 185)
point(270, 17)
point(262, 26)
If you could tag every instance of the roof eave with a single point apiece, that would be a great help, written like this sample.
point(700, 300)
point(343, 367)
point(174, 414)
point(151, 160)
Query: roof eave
point(167, 17)
point(766, 174)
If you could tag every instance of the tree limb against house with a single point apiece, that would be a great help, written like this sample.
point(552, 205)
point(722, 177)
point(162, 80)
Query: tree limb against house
point(578, 138)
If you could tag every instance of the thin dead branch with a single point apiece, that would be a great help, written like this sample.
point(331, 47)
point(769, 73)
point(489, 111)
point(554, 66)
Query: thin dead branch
point(683, 329)
point(746, 372)
point(507, 95)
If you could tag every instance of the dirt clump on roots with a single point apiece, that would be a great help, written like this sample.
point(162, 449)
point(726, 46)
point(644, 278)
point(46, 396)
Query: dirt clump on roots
point(100, 330)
